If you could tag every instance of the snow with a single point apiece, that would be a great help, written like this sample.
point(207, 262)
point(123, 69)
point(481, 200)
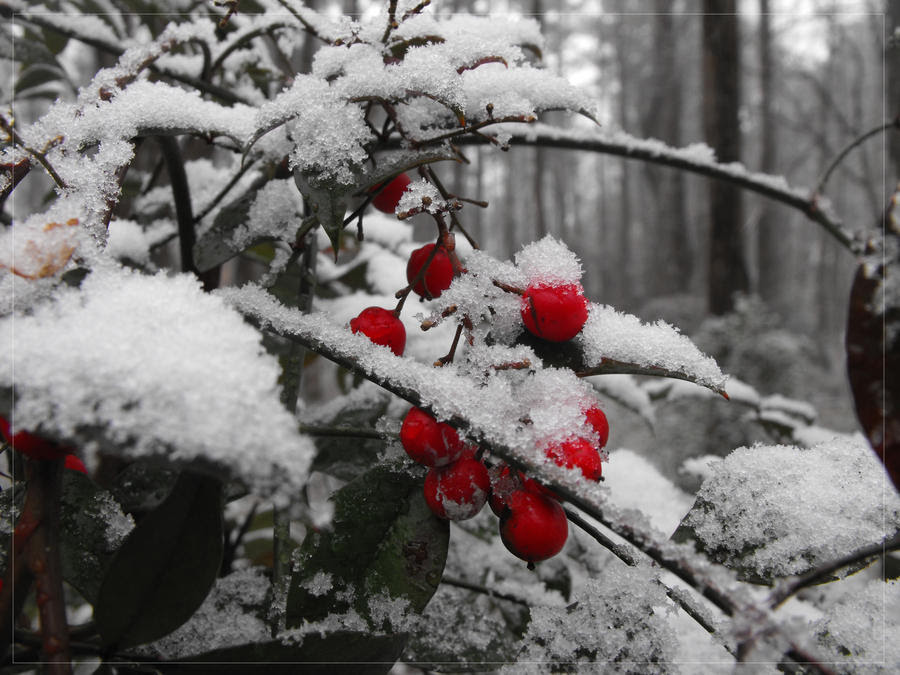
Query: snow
point(776, 510)
point(157, 367)
point(132, 242)
point(549, 261)
point(634, 483)
point(610, 334)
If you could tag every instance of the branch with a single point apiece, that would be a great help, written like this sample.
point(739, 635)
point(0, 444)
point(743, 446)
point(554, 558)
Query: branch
point(42, 553)
point(678, 559)
point(624, 145)
point(459, 583)
point(39, 155)
point(824, 572)
point(855, 143)
point(345, 432)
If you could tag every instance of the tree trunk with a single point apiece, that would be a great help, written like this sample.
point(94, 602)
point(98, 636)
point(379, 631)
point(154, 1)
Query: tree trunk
point(721, 104)
point(671, 259)
point(768, 259)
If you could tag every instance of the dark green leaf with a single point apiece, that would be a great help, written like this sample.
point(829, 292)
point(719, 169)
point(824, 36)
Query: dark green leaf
point(89, 521)
point(385, 541)
point(166, 566)
point(38, 74)
point(328, 203)
point(27, 50)
point(346, 457)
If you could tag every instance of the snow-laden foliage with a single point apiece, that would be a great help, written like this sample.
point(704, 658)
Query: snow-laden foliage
point(619, 626)
point(141, 358)
point(774, 511)
point(238, 466)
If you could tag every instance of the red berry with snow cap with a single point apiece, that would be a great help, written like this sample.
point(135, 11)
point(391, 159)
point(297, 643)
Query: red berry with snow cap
point(437, 277)
point(382, 327)
point(32, 445)
point(428, 441)
point(554, 312)
point(533, 527)
point(457, 491)
point(578, 452)
point(386, 201)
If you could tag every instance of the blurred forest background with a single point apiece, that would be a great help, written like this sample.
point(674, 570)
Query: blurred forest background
point(779, 85)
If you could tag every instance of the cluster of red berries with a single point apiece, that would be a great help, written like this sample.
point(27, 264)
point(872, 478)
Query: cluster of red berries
point(34, 446)
point(551, 311)
point(533, 525)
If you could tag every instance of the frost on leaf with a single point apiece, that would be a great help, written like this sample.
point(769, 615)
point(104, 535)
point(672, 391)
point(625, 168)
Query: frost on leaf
point(154, 366)
point(859, 630)
point(619, 621)
point(775, 511)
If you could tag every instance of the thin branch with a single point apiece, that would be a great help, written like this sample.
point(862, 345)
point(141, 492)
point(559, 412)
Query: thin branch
point(39, 155)
point(847, 149)
point(241, 41)
point(345, 432)
point(824, 572)
point(483, 590)
point(224, 191)
point(622, 145)
point(680, 560)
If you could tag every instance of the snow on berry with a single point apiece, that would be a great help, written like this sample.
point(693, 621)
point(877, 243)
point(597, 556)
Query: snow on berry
point(457, 491)
point(389, 195)
point(549, 261)
point(382, 327)
point(428, 441)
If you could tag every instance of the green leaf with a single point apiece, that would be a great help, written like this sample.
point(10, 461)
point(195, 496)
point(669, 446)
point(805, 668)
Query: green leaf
point(89, 521)
point(27, 50)
point(38, 74)
point(166, 566)
point(385, 542)
point(328, 202)
point(346, 458)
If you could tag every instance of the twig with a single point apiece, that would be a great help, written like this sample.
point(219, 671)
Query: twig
point(483, 590)
point(345, 432)
point(788, 588)
point(244, 39)
point(39, 155)
point(856, 142)
point(224, 191)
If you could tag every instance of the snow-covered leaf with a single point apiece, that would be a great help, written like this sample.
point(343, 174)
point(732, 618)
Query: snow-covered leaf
point(775, 511)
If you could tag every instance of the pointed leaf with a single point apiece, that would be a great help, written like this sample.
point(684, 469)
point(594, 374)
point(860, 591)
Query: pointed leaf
point(385, 542)
point(166, 566)
point(328, 202)
point(92, 527)
point(216, 244)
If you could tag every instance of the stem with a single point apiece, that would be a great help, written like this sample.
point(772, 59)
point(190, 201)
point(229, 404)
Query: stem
point(43, 559)
point(181, 195)
point(224, 191)
point(444, 360)
point(345, 432)
point(37, 154)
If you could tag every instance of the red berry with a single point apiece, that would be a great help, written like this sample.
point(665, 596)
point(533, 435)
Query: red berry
point(437, 277)
point(555, 313)
point(72, 462)
point(504, 482)
point(382, 327)
point(457, 491)
point(597, 419)
point(534, 527)
point(428, 441)
point(578, 452)
point(32, 445)
point(386, 201)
